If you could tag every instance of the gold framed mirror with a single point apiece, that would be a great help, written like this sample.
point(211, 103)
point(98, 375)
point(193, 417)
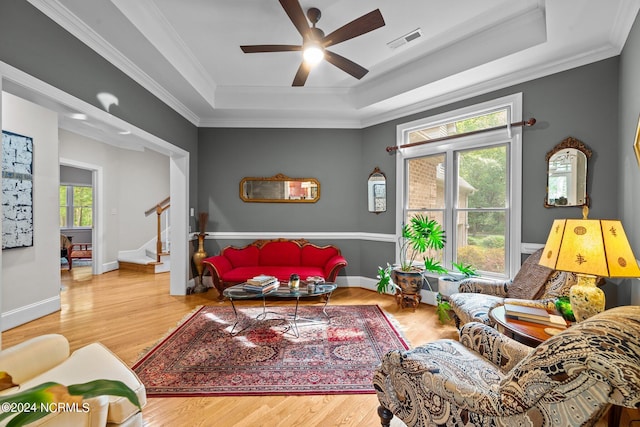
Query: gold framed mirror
point(279, 189)
point(567, 174)
point(377, 191)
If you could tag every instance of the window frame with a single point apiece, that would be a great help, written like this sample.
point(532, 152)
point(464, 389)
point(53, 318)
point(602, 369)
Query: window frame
point(511, 136)
point(70, 207)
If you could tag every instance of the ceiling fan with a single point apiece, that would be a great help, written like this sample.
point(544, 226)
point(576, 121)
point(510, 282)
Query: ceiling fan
point(314, 41)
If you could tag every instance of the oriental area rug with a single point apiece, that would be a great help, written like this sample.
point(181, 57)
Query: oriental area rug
point(203, 358)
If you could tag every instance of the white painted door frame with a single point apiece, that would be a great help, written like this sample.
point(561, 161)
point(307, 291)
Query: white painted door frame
point(178, 176)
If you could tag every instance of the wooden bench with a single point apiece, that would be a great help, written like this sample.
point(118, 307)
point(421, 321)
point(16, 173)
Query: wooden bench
point(79, 251)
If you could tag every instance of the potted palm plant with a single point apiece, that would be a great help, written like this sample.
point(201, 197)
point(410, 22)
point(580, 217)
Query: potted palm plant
point(417, 237)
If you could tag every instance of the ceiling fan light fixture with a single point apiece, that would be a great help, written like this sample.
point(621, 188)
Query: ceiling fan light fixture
point(313, 53)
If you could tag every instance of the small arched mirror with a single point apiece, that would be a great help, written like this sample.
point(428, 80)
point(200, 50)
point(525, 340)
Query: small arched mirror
point(567, 174)
point(377, 191)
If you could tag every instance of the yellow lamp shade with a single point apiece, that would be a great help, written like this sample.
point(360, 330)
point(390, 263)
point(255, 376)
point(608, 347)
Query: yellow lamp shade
point(620, 259)
point(595, 247)
point(589, 248)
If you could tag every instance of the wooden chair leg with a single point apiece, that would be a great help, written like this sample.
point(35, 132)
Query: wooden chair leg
point(385, 416)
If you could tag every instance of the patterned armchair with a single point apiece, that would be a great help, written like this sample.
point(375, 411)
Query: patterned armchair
point(487, 379)
point(534, 285)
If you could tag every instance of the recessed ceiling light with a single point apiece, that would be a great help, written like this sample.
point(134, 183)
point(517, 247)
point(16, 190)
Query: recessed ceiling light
point(78, 116)
point(125, 132)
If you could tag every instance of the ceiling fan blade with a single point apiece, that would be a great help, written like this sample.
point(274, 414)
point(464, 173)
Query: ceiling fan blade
point(270, 48)
point(297, 16)
point(301, 75)
point(364, 24)
point(345, 64)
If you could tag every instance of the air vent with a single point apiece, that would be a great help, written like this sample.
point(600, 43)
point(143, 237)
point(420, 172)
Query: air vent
point(415, 34)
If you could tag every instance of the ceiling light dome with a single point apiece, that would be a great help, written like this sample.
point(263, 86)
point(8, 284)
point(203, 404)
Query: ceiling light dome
point(313, 53)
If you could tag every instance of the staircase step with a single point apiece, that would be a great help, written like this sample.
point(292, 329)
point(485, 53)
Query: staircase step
point(141, 268)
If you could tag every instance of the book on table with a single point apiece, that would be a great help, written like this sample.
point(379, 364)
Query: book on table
point(261, 289)
point(261, 280)
point(535, 315)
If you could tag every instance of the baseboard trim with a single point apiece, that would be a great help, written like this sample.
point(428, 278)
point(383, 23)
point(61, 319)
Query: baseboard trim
point(110, 266)
point(21, 315)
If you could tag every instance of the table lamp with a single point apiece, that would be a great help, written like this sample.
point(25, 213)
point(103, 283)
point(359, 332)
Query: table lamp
point(591, 248)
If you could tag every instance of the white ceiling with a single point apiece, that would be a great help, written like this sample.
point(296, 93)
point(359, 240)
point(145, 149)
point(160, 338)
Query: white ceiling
point(187, 53)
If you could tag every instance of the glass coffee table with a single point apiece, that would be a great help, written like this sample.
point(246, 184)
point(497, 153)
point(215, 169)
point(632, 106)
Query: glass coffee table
point(237, 292)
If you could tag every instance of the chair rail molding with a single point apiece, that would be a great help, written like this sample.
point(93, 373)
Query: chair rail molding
point(229, 235)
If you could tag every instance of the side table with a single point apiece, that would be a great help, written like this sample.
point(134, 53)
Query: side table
point(529, 333)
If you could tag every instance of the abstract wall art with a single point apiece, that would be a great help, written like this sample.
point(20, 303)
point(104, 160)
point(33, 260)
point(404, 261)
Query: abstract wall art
point(17, 190)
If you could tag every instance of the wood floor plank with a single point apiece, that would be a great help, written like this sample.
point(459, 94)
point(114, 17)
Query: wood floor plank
point(129, 312)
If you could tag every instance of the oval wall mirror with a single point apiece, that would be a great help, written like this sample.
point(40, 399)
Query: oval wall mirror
point(567, 174)
point(377, 191)
point(280, 189)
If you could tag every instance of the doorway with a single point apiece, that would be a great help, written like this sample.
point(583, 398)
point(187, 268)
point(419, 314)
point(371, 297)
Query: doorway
point(43, 94)
point(80, 210)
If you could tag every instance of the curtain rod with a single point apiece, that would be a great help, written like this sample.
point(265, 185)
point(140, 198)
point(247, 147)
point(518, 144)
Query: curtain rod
point(525, 123)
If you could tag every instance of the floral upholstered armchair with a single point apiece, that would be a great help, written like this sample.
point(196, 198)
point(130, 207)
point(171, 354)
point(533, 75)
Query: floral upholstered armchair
point(487, 379)
point(534, 285)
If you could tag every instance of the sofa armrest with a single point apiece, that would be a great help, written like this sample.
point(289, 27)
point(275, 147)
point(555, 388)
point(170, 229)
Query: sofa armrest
point(497, 348)
point(333, 267)
point(217, 266)
point(484, 286)
point(34, 356)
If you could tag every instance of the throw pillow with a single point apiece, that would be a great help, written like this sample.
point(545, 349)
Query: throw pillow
point(530, 279)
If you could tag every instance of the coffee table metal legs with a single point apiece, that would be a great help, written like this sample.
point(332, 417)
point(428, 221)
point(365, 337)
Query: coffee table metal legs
point(260, 317)
point(292, 320)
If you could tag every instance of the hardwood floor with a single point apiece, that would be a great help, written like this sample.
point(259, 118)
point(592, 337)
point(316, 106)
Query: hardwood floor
point(129, 312)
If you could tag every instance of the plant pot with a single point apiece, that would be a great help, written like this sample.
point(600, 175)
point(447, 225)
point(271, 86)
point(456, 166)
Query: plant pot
point(448, 285)
point(410, 282)
point(408, 292)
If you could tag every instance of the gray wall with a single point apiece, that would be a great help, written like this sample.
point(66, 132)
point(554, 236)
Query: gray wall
point(582, 103)
point(38, 46)
point(628, 167)
point(333, 156)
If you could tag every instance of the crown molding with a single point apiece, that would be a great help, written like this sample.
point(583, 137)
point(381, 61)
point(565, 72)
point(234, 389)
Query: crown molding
point(70, 22)
point(153, 24)
point(491, 85)
point(414, 101)
point(243, 119)
point(625, 17)
point(286, 119)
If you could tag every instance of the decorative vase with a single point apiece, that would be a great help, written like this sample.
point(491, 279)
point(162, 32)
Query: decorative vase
point(199, 255)
point(586, 298)
point(410, 284)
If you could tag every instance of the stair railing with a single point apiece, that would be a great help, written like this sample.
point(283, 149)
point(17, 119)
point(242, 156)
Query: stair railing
point(159, 209)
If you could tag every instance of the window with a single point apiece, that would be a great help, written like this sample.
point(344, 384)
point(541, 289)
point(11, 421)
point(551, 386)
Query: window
point(76, 206)
point(470, 184)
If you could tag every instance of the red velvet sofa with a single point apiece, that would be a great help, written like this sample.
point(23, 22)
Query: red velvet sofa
point(277, 257)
